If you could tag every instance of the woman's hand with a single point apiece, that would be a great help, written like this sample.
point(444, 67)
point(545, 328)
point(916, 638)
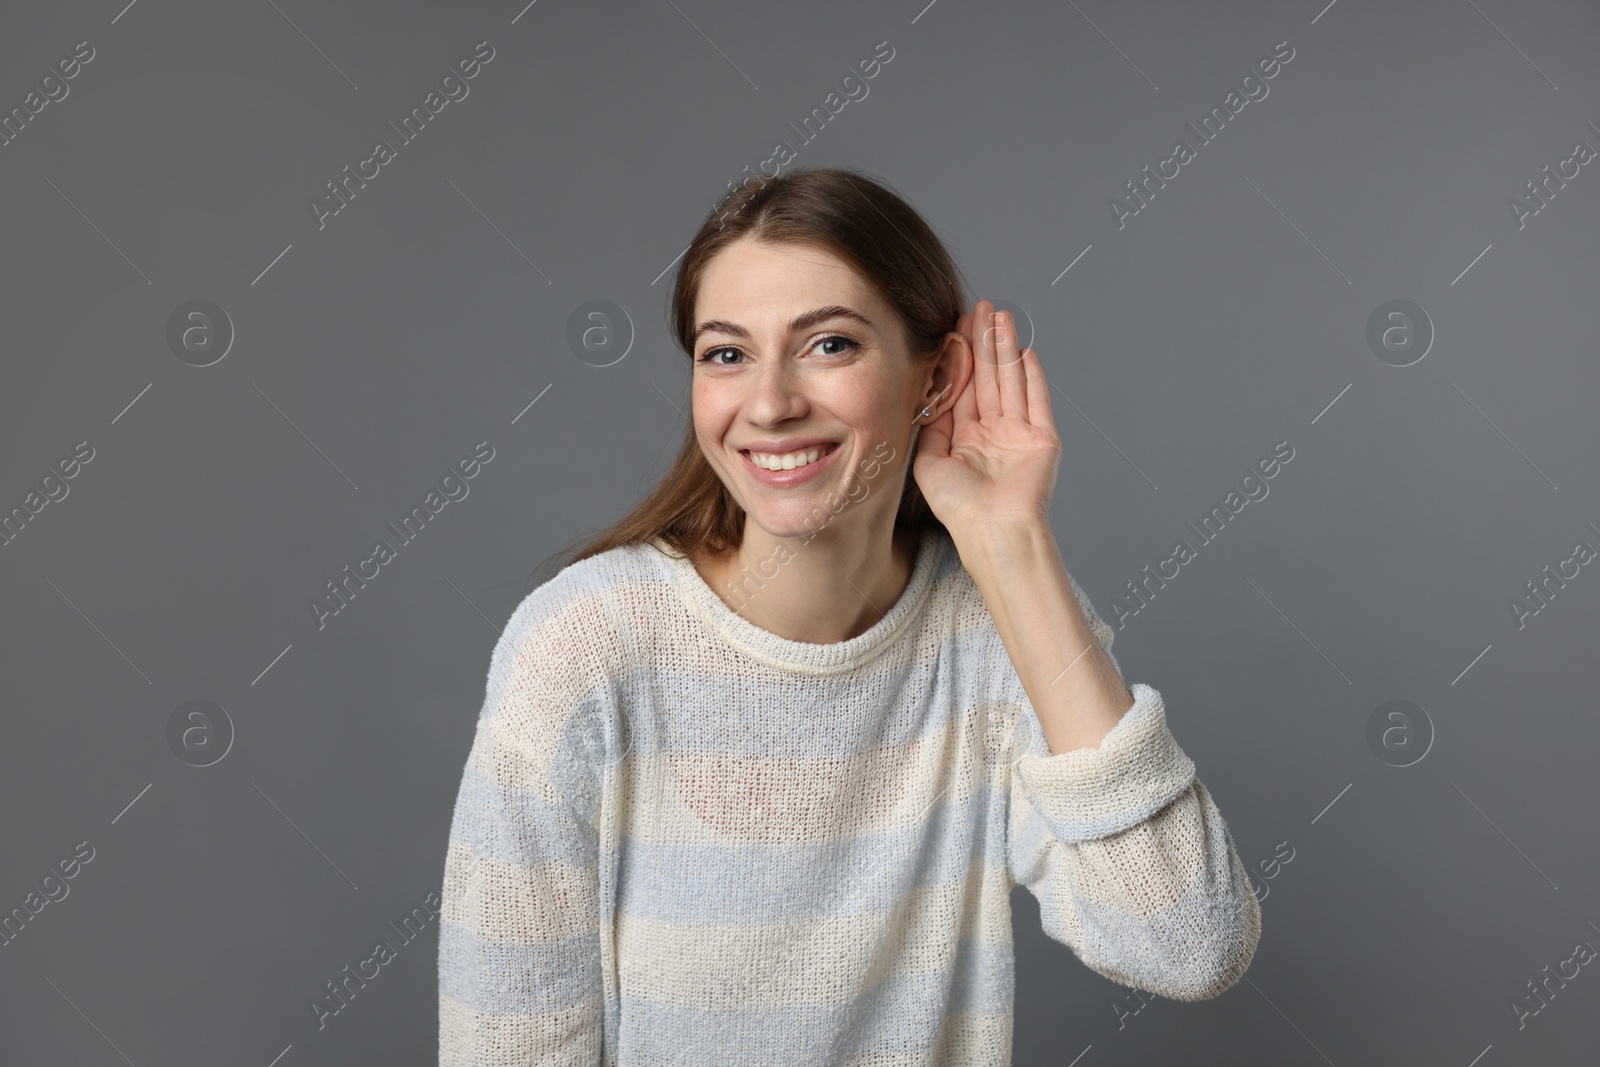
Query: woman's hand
point(990, 461)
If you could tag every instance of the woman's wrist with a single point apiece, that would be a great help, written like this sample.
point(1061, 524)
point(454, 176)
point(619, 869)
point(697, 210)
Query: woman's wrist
point(989, 544)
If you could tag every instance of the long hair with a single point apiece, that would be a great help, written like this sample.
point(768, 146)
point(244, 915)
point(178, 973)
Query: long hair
point(863, 223)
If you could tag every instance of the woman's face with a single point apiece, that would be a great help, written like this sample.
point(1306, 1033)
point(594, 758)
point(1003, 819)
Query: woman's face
point(799, 364)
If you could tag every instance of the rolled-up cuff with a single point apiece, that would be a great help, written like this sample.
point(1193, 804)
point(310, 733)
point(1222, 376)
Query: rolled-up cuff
point(1137, 770)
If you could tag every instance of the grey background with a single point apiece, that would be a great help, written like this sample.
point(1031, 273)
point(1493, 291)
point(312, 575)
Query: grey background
point(1229, 315)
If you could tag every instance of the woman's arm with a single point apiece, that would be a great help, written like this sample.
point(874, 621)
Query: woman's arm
point(1163, 905)
point(1076, 692)
point(1130, 860)
point(519, 956)
point(986, 465)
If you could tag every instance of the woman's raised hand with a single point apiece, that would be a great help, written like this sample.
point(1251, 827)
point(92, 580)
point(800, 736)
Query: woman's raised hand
point(990, 460)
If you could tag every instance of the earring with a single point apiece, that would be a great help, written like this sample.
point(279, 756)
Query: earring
point(924, 413)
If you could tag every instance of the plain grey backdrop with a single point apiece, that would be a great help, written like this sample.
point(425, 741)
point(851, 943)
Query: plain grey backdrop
point(364, 353)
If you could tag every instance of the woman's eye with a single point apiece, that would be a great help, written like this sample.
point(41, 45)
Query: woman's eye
point(835, 339)
point(843, 344)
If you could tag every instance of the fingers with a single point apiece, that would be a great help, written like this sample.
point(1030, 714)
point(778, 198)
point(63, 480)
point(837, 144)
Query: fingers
point(1039, 413)
point(1006, 379)
point(985, 380)
point(1013, 388)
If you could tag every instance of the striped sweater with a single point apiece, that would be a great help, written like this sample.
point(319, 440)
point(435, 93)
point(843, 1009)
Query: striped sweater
point(683, 839)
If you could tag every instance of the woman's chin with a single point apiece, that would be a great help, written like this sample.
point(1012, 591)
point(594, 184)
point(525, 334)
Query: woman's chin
point(797, 524)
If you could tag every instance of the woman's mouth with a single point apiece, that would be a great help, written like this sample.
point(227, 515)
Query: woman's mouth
point(789, 468)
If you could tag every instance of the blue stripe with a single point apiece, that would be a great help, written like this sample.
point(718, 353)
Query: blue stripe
point(511, 826)
point(902, 1013)
point(505, 978)
point(508, 978)
point(985, 976)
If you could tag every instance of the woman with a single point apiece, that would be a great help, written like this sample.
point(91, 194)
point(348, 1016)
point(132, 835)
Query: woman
point(756, 772)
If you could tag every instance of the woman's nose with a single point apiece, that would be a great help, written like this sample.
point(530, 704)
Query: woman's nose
point(776, 394)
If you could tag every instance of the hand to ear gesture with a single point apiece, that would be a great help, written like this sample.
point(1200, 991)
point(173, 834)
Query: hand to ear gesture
point(990, 460)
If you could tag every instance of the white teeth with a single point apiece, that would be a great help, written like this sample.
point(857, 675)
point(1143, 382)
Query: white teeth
point(787, 461)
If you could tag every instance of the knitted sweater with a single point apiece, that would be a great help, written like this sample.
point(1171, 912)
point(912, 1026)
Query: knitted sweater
point(683, 839)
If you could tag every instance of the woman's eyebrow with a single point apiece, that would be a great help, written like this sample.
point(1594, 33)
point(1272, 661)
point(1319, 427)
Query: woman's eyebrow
point(803, 321)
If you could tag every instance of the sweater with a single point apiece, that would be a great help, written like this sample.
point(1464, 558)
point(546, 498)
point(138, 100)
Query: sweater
point(683, 839)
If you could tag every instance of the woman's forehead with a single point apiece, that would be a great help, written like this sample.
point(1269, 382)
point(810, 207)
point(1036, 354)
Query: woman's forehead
point(760, 284)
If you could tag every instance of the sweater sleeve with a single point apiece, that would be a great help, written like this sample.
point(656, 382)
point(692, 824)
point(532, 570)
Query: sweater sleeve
point(519, 961)
point(1130, 860)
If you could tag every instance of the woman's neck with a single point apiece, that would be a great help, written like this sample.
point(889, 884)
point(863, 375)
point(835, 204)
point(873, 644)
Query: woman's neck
point(827, 590)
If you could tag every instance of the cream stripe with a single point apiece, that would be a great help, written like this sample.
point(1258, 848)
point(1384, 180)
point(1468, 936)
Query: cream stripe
point(656, 608)
point(1146, 868)
point(970, 1040)
point(699, 797)
point(967, 1040)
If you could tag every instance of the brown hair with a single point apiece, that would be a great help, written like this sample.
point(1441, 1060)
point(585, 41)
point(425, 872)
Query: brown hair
point(862, 222)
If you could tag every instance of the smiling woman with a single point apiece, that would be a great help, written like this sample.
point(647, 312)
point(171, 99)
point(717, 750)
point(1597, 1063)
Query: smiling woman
point(762, 261)
point(700, 827)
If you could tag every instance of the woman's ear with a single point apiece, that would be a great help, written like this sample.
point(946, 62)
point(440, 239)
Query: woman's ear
point(950, 371)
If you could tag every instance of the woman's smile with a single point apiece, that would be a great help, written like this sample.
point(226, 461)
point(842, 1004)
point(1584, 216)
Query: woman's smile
point(791, 467)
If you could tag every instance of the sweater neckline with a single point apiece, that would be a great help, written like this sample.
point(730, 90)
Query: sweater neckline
point(805, 656)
